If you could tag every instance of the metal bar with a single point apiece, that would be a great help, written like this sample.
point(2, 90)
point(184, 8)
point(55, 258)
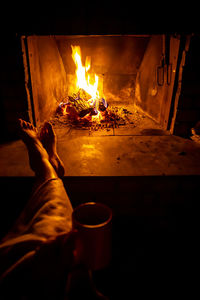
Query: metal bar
point(28, 79)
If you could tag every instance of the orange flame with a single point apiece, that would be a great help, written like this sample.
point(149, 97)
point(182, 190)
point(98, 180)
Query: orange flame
point(97, 118)
point(84, 80)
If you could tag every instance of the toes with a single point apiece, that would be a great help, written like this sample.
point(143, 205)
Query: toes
point(31, 126)
point(26, 125)
point(49, 128)
point(20, 123)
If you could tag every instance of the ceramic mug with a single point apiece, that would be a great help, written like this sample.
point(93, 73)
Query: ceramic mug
point(93, 223)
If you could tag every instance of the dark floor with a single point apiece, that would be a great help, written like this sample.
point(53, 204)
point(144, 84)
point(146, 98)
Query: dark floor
point(152, 261)
point(151, 182)
point(155, 230)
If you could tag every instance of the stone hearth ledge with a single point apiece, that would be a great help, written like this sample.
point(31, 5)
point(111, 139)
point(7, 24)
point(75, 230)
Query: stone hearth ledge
point(111, 156)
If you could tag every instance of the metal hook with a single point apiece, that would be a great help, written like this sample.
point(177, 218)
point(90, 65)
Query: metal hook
point(169, 73)
point(160, 73)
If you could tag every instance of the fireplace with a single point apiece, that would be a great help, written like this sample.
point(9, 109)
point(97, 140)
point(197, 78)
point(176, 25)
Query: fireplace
point(147, 75)
point(137, 76)
point(154, 75)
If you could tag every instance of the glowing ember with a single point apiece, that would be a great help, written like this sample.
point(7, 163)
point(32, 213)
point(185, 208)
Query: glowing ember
point(97, 117)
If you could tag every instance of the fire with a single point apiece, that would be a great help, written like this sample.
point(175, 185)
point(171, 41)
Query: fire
point(97, 118)
point(84, 80)
point(86, 102)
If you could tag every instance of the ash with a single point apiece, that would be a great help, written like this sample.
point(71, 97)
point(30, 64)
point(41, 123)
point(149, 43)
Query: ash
point(78, 111)
point(114, 117)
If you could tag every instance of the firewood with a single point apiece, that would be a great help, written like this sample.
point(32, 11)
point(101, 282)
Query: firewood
point(102, 104)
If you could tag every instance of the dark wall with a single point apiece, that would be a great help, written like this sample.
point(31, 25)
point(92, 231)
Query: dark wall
point(13, 102)
point(188, 110)
point(100, 18)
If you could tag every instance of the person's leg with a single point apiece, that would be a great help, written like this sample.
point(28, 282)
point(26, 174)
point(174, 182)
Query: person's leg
point(41, 243)
point(49, 141)
point(49, 188)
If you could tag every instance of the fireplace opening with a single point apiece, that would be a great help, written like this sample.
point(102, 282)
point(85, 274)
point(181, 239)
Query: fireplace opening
point(135, 76)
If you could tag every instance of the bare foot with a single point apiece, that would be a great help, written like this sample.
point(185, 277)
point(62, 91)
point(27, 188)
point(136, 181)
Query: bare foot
point(49, 141)
point(41, 146)
point(37, 152)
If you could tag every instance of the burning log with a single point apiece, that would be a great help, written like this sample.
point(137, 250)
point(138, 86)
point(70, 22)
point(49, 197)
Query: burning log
point(80, 104)
point(112, 117)
point(83, 113)
point(103, 105)
point(82, 94)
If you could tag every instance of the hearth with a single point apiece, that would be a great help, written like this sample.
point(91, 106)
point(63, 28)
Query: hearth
point(136, 78)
